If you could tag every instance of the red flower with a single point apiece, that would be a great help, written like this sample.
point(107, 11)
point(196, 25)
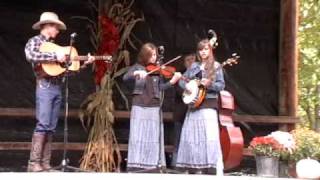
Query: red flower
point(109, 44)
point(265, 140)
point(110, 38)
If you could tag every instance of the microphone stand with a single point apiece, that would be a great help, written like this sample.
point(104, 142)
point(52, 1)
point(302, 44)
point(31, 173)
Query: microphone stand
point(65, 161)
point(163, 169)
point(161, 125)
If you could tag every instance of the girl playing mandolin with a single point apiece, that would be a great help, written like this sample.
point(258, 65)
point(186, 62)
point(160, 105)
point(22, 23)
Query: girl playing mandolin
point(144, 142)
point(199, 146)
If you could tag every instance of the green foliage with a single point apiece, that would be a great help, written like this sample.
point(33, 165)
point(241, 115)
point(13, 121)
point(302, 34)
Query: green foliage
point(309, 71)
point(307, 144)
point(265, 150)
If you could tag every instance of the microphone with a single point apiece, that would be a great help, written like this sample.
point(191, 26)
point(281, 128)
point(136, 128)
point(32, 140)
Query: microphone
point(161, 54)
point(73, 35)
point(211, 34)
point(161, 50)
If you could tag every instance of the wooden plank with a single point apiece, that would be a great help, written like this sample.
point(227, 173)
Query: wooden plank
point(79, 147)
point(17, 112)
point(73, 113)
point(74, 146)
point(168, 116)
point(27, 146)
point(288, 85)
point(266, 119)
point(288, 62)
point(30, 112)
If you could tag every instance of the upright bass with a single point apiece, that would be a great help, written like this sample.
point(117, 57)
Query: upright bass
point(231, 138)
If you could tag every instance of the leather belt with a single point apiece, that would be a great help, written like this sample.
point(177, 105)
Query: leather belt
point(55, 81)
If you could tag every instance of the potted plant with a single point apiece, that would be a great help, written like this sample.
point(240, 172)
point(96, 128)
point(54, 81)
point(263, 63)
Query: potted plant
point(287, 147)
point(267, 152)
point(307, 146)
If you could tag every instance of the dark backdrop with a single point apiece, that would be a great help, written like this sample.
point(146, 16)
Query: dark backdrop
point(248, 27)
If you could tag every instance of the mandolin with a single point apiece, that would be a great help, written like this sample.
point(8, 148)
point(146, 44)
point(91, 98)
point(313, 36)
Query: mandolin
point(56, 68)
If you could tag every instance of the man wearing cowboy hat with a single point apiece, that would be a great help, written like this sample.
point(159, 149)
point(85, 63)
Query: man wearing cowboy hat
point(48, 90)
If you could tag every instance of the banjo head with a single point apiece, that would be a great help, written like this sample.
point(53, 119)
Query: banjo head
point(190, 95)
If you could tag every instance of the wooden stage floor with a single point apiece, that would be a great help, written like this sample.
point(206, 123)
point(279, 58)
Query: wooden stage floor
point(121, 176)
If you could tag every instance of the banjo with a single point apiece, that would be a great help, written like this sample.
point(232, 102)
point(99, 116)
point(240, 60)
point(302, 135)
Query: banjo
point(195, 93)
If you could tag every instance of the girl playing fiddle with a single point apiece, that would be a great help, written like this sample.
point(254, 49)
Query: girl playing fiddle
point(144, 142)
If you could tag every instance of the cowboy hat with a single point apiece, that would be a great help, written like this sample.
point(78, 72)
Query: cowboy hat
point(49, 17)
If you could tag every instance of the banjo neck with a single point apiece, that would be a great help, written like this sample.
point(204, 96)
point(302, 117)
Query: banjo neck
point(230, 61)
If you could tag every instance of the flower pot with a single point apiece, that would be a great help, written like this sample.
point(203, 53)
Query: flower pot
point(267, 166)
point(292, 170)
point(283, 169)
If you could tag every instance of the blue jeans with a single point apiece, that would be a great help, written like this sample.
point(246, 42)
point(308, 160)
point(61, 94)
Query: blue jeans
point(48, 102)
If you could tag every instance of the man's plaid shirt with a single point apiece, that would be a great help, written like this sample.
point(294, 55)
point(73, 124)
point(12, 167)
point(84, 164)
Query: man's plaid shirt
point(33, 53)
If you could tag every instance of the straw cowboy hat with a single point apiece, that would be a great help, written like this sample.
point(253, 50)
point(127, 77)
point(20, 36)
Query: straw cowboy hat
point(49, 17)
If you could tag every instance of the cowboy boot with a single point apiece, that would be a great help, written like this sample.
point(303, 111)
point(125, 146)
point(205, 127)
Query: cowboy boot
point(47, 153)
point(34, 164)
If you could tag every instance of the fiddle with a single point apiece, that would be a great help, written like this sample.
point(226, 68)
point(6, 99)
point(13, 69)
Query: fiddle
point(166, 71)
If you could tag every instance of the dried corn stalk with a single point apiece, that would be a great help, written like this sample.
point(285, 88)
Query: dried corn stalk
point(102, 153)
